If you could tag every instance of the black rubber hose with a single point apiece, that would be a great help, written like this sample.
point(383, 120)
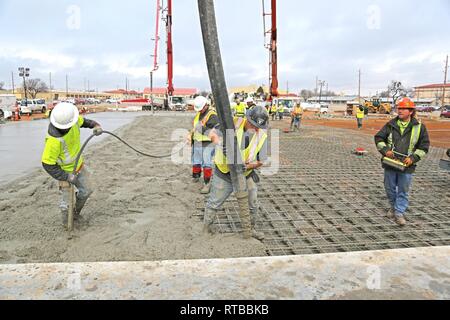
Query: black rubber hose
point(125, 143)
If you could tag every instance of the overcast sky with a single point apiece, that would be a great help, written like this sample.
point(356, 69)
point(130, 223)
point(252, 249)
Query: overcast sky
point(107, 41)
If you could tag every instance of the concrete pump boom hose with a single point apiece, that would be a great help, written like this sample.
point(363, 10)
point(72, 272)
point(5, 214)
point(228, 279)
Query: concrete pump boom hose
point(125, 143)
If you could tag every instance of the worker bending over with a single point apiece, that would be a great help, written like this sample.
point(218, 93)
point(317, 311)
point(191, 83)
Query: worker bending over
point(404, 139)
point(252, 143)
point(62, 146)
point(203, 149)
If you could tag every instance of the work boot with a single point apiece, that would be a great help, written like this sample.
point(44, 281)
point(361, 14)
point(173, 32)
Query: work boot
point(195, 179)
point(206, 188)
point(400, 220)
point(390, 214)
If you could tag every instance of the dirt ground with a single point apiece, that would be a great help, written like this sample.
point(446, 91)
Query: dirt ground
point(141, 208)
point(439, 131)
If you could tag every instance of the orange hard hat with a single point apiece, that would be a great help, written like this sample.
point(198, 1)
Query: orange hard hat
point(406, 103)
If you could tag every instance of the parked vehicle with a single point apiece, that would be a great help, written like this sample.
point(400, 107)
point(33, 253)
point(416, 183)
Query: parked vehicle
point(7, 105)
point(445, 112)
point(34, 105)
point(288, 103)
point(177, 103)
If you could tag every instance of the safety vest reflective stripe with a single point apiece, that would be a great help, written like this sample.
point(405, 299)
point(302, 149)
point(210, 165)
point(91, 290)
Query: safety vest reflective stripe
point(70, 145)
point(240, 110)
point(414, 138)
point(415, 135)
point(198, 126)
point(248, 155)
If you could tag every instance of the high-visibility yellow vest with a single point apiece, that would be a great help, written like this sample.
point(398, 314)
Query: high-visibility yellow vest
point(281, 108)
point(199, 125)
point(359, 113)
point(274, 108)
point(298, 111)
point(240, 110)
point(249, 154)
point(63, 151)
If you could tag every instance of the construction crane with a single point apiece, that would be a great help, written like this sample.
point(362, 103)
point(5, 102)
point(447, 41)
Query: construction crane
point(157, 38)
point(168, 20)
point(270, 42)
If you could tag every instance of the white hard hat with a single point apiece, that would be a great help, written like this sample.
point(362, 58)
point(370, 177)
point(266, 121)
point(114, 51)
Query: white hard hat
point(249, 100)
point(199, 103)
point(64, 115)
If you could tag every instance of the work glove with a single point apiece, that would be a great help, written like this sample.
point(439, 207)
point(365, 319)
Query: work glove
point(390, 154)
point(73, 179)
point(408, 162)
point(98, 131)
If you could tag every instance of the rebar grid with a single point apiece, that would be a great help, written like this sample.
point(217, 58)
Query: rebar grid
point(325, 199)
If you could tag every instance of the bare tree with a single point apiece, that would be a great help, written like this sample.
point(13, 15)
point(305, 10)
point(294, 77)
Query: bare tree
point(2, 84)
point(35, 86)
point(306, 94)
point(396, 91)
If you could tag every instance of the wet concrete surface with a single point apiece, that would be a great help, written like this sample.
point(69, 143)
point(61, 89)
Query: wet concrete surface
point(22, 143)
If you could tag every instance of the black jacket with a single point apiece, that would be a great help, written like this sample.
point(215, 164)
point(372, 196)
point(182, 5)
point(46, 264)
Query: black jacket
point(402, 142)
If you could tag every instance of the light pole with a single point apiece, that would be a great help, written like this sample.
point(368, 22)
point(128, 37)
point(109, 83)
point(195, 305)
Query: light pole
point(24, 73)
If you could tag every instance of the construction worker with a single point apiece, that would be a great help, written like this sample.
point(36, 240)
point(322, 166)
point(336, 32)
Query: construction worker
point(203, 150)
point(359, 116)
point(62, 146)
point(405, 139)
point(252, 142)
point(241, 108)
point(280, 111)
point(273, 111)
point(296, 116)
point(250, 103)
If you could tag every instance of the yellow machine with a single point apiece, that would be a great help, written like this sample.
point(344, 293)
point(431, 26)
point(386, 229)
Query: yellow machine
point(376, 106)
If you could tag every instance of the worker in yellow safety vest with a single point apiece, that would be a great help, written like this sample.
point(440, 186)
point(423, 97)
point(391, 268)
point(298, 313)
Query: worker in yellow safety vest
point(280, 111)
point(202, 148)
point(360, 116)
point(252, 142)
point(296, 116)
point(62, 146)
point(241, 108)
point(273, 111)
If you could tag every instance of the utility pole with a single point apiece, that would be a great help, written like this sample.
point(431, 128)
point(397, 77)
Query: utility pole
point(359, 86)
point(67, 86)
point(12, 81)
point(317, 83)
point(50, 80)
point(287, 87)
point(25, 73)
point(89, 86)
point(445, 82)
point(321, 83)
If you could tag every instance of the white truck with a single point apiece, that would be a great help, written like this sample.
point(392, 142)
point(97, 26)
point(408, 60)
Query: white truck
point(177, 103)
point(7, 105)
point(33, 105)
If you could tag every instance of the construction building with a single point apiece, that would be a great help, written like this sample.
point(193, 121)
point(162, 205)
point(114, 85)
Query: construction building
point(162, 92)
point(434, 92)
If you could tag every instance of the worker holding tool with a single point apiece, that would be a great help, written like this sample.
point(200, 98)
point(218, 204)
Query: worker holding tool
point(360, 116)
point(252, 142)
point(62, 146)
point(203, 150)
point(403, 142)
point(296, 116)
